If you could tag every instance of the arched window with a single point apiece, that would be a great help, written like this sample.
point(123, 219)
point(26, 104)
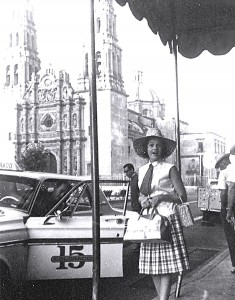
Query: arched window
point(75, 121)
point(75, 163)
point(16, 74)
point(8, 77)
point(98, 24)
point(30, 124)
point(65, 92)
point(65, 121)
point(110, 26)
point(28, 40)
point(110, 60)
point(33, 42)
point(145, 112)
point(30, 72)
point(119, 66)
point(114, 65)
point(10, 41)
point(114, 28)
point(22, 125)
point(88, 166)
point(86, 73)
point(65, 163)
point(98, 62)
point(17, 39)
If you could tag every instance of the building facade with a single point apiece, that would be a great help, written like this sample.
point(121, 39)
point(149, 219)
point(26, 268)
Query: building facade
point(199, 152)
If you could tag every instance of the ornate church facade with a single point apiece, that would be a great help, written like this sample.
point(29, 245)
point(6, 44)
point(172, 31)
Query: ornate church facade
point(52, 113)
point(47, 109)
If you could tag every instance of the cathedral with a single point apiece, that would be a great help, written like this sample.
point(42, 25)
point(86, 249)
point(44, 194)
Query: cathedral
point(49, 110)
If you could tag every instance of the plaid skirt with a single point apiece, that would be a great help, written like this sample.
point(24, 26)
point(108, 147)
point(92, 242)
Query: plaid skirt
point(165, 258)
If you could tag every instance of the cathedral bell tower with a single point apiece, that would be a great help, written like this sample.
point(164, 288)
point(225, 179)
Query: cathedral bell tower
point(108, 53)
point(21, 59)
point(111, 96)
point(21, 62)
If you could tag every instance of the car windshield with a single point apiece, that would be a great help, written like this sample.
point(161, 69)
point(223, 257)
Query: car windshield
point(17, 192)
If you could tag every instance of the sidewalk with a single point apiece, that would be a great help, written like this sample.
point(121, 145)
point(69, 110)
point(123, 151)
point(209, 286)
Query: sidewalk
point(214, 281)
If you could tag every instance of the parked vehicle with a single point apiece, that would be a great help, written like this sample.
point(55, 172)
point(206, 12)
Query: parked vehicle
point(46, 229)
point(209, 201)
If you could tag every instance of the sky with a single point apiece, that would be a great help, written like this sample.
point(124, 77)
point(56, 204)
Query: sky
point(206, 83)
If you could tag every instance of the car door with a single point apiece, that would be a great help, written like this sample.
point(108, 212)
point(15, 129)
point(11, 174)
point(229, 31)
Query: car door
point(60, 243)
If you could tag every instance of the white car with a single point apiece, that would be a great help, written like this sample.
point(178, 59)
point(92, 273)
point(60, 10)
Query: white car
point(46, 229)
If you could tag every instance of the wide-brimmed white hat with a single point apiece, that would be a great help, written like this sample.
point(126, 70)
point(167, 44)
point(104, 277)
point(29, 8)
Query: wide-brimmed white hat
point(140, 144)
point(222, 158)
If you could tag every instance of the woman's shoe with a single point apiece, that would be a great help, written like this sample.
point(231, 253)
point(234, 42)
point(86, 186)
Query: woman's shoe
point(233, 270)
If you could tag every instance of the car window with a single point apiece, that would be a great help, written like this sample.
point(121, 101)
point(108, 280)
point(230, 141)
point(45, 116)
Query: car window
point(79, 202)
point(17, 192)
point(72, 198)
point(84, 202)
point(117, 194)
point(50, 193)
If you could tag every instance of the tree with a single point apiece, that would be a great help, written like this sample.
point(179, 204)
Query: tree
point(34, 158)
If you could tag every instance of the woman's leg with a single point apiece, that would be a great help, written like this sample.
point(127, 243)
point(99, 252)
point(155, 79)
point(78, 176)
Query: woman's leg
point(230, 235)
point(163, 285)
point(157, 283)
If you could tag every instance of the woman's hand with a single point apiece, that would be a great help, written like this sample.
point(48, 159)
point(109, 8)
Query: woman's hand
point(144, 201)
point(230, 217)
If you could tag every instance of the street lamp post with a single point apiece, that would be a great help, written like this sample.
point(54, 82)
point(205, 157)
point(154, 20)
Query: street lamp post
point(94, 164)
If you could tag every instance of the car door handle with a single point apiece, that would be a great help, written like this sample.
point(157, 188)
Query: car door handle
point(118, 220)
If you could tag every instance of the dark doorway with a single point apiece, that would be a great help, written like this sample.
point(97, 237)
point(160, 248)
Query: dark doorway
point(51, 164)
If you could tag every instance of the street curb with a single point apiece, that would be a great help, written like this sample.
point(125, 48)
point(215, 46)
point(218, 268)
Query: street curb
point(201, 272)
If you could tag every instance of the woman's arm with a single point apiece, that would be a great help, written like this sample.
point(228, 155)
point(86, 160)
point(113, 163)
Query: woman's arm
point(178, 183)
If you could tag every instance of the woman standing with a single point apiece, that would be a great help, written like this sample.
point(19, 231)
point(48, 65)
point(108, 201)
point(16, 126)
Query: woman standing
point(161, 260)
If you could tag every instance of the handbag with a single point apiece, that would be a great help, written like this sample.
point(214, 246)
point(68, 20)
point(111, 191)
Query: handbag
point(150, 228)
point(184, 214)
point(183, 211)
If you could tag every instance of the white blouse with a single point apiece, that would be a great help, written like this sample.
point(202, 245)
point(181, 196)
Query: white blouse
point(161, 184)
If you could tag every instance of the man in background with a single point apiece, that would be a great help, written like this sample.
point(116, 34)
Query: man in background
point(230, 170)
point(129, 171)
point(222, 163)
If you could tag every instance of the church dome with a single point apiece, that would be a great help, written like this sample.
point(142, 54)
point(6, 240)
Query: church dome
point(154, 97)
point(145, 101)
point(144, 93)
